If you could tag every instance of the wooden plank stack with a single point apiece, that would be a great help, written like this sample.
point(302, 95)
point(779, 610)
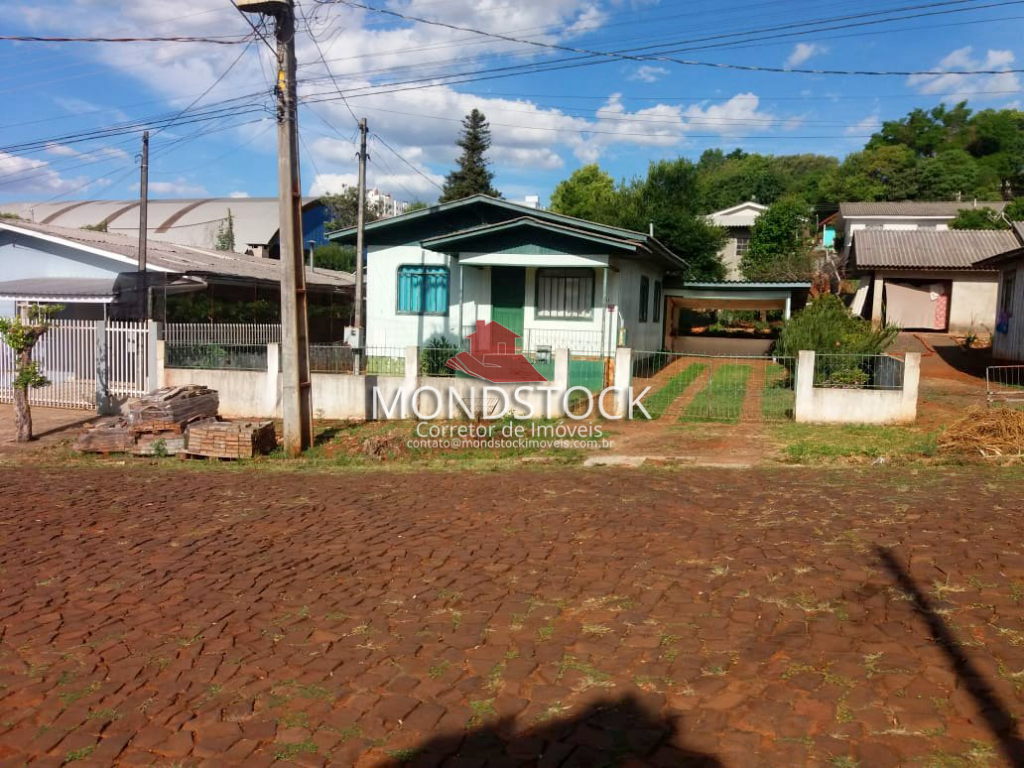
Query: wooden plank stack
point(172, 409)
point(230, 439)
point(109, 435)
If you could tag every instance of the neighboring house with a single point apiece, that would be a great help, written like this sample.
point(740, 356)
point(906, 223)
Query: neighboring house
point(195, 222)
point(738, 221)
point(553, 280)
point(1008, 338)
point(929, 279)
point(94, 275)
point(906, 215)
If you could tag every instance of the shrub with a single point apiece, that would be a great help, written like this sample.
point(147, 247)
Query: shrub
point(435, 353)
point(826, 325)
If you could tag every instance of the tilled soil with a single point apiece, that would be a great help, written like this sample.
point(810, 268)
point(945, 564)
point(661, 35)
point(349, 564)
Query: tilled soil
point(775, 617)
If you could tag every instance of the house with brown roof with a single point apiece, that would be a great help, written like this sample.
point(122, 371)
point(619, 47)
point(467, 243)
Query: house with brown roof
point(929, 279)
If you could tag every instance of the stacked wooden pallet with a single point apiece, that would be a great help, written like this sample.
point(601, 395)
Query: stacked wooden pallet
point(172, 409)
point(230, 439)
point(109, 435)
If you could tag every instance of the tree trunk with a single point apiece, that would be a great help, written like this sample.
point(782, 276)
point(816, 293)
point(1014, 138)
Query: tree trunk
point(22, 416)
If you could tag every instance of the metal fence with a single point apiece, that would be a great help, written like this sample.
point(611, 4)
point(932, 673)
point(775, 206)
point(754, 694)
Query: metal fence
point(371, 361)
point(68, 356)
point(238, 357)
point(839, 371)
point(1004, 384)
point(715, 388)
point(192, 334)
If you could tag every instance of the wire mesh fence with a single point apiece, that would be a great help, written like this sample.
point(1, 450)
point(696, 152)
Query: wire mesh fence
point(845, 371)
point(238, 357)
point(371, 361)
point(715, 388)
point(1004, 384)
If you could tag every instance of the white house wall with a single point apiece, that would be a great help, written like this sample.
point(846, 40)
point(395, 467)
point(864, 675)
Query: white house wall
point(972, 302)
point(639, 336)
point(894, 224)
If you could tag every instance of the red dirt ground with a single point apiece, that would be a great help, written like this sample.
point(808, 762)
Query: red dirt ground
point(786, 617)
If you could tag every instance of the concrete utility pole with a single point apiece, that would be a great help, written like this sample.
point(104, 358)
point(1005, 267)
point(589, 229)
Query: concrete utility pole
point(296, 390)
point(143, 228)
point(360, 237)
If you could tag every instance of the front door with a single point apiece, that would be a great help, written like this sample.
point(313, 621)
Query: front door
point(508, 297)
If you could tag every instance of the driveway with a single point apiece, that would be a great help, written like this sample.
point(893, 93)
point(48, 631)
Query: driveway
point(783, 617)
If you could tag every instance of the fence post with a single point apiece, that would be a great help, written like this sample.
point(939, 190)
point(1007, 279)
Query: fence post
point(563, 360)
point(623, 378)
point(911, 382)
point(411, 380)
point(803, 408)
point(160, 365)
point(103, 402)
point(270, 393)
point(152, 372)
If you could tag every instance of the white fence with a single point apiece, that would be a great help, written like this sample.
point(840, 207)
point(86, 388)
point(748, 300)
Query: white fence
point(186, 334)
point(69, 356)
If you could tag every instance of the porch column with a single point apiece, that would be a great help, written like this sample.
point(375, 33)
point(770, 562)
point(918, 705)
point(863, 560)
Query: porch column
point(876, 299)
point(604, 311)
point(789, 304)
point(458, 331)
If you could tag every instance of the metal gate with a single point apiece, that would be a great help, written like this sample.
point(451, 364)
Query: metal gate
point(69, 356)
point(715, 388)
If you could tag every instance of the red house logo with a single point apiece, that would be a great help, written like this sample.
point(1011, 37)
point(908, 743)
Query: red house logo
point(493, 356)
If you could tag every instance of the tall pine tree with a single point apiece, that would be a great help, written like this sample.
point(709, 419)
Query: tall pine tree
point(472, 177)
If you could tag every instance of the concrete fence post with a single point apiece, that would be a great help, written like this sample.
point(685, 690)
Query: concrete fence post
point(623, 378)
point(271, 388)
point(104, 403)
point(152, 343)
point(911, 383)
point(803, 408)
point(411, 381)
point(563, 360)
point(159, 369)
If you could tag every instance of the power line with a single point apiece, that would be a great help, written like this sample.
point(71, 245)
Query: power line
point(688, 62)
point(400, 157)
point(320, 52)
point(224, 40)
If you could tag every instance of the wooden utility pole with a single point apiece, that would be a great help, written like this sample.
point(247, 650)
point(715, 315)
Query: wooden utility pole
point(141, 287)
point(360, 236)
point(296, 389)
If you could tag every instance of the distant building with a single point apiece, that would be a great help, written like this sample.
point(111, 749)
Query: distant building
point(738, 221)
point(904, 215)
point(195, 222)
point(384, 205)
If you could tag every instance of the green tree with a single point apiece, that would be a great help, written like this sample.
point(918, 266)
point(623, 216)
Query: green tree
point(948, 174)
point(589, 193)
point(826, 325)
point(1014, 210)
point(876, 173)
point(416, 205)
point(344, 209)
point(22, 335)
point(226, 234)
point(472, 176)
point(780, 243)
point(338, 257)
point(998, 143)
point(978, 218)
point(926, 132)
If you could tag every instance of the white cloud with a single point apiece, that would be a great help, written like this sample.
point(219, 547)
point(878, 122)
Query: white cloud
point(974, 86)
point(864, 127)
point(648, 74)
point(239, 195)
point(101, 153)
point(180, 187)
point(803, 51)
point(23, 176)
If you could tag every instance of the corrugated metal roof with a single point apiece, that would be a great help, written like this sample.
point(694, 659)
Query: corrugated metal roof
point(84, 287)
point(915, 208)
point(183, 259)
point(1018, 227)
point(929, 249)
point(187, 221)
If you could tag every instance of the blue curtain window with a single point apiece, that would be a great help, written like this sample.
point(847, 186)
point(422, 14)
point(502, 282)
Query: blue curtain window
point(423, 290)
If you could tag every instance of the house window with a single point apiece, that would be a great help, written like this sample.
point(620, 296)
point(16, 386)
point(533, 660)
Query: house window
point(657, 301)
point(566, 293)
point(422, 290)
point(742, 243)
point(645, 297)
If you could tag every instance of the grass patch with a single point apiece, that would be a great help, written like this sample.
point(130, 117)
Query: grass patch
point(812, 443)
point(291, 751)
point(674, 387)
point(777, 398)
point(78, 754)
point(437, 670)
point(722, 399)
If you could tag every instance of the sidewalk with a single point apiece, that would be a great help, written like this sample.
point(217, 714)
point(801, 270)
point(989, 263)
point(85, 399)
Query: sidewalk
point(50, 426)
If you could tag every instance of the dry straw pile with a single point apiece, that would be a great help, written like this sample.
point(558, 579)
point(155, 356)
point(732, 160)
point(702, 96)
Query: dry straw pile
point(990, 432)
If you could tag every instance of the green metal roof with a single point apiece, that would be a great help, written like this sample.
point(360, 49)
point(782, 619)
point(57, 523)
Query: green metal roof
point(512, 230)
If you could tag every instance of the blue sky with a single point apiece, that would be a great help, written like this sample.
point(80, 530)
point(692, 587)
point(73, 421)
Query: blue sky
point(545, 124)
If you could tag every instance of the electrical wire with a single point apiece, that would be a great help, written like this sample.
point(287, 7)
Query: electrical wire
point(400, 157)
point(224, 40)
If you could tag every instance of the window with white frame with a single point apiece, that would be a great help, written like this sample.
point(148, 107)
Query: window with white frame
point(565, 293)
point(742, 244)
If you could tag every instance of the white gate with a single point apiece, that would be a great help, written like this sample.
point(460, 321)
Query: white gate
point(68, 355)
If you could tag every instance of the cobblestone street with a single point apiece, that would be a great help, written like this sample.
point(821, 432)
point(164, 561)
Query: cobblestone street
point(550, 617)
